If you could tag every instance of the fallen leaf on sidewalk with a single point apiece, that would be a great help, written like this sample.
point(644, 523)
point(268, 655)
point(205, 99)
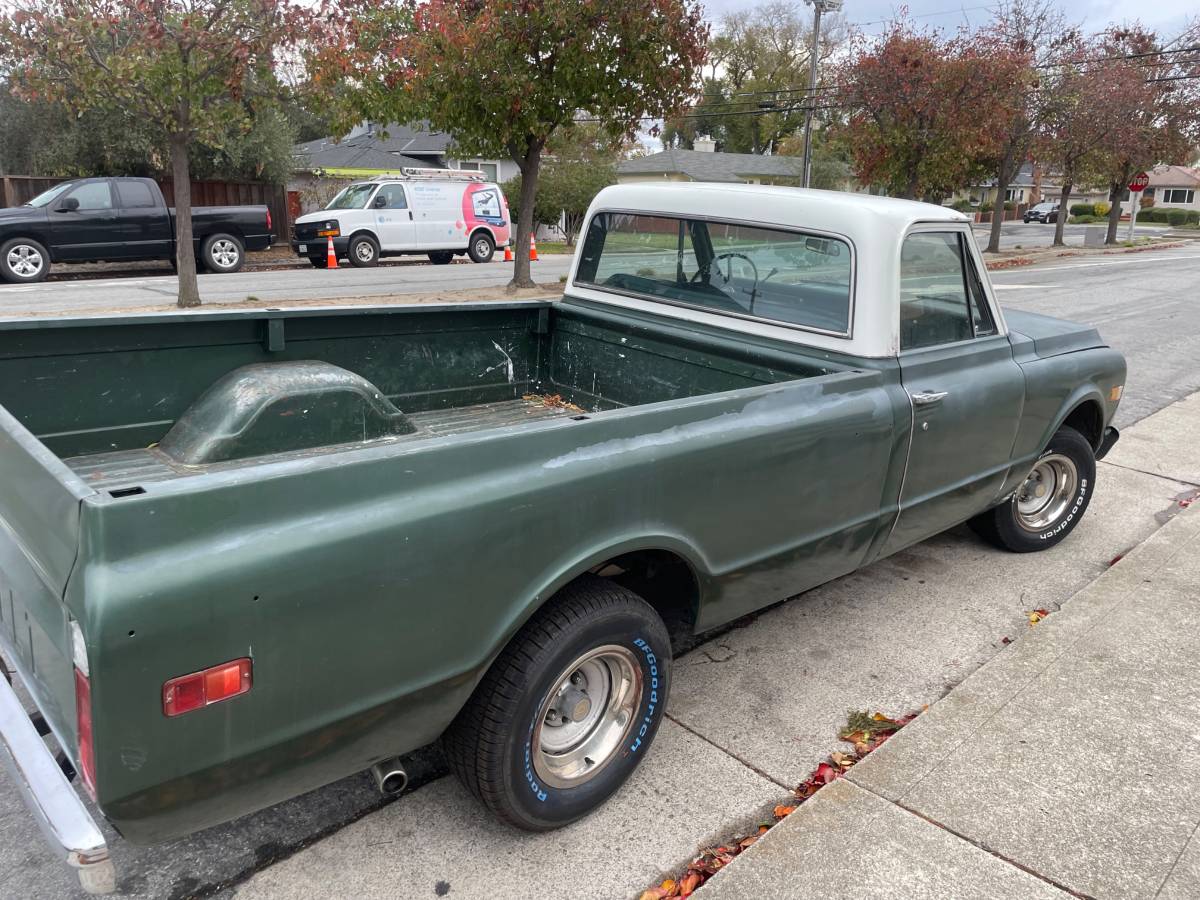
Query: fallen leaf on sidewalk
point(865, 730)
point(1036, 615)
point(1006, 640)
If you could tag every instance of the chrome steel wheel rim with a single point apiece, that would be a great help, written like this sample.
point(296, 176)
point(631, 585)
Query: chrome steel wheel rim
point(25, 261)
point(1047, 492)
point(586, 716)
point(365, 251)
point(482, 248)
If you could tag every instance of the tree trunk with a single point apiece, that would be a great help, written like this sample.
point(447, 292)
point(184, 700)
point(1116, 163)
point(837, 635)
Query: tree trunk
point(185, 253)
point(530, 166)
point(1003, 177)
point(1115, 190)
point(1061, 219)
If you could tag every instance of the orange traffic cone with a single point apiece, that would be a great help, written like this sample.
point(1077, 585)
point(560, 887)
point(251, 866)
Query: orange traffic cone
point(532, 247)
point(330, 255)
point(508, 257)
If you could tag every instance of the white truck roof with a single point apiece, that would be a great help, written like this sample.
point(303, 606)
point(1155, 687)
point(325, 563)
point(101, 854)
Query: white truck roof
point(875, 228)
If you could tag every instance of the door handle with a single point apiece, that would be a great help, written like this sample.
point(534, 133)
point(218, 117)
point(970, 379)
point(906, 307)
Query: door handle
point(928, 398)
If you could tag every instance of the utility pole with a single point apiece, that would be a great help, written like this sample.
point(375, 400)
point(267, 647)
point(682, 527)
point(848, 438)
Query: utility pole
point(819, 6)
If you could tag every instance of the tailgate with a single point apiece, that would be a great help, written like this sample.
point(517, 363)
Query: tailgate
point(39, 529)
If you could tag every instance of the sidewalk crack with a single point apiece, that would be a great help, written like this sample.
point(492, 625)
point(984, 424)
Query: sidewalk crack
point(1151, 474)
point(1046, 879)
point(749, 765)
point(1183, 850)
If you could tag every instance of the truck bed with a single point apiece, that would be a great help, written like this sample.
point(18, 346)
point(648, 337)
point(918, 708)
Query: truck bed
point(112, 397)
point(125, 469)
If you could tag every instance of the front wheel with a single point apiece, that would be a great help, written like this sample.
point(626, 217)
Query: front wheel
point(362, 252)
point(23, 261)
point(441, 257)
point(223, 253)
point(1050, 502)
point(568, 709)
point(481, 248)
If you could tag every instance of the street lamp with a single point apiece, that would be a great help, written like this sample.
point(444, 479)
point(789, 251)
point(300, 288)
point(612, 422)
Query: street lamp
point(819, 6)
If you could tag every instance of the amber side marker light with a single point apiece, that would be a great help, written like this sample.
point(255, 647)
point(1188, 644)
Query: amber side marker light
point(188, 692)
point(1115, 394)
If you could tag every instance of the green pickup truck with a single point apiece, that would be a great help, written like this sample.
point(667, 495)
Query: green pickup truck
point(244, 554)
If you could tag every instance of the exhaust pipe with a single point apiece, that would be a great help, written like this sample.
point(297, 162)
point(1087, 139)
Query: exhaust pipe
point(390, 776)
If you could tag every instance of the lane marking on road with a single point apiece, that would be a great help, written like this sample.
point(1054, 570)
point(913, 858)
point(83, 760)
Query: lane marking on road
point(1092, 265)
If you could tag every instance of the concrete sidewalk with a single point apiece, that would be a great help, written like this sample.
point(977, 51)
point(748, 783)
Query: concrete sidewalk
point(1069, 765)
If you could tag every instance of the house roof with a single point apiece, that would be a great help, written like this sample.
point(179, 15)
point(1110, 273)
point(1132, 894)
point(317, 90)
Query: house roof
point(1175, 176)
point(700, 165)
point(403, 145)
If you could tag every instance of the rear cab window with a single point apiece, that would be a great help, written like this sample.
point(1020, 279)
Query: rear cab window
point(135, 195)
point(794, 278)
point(942, 300)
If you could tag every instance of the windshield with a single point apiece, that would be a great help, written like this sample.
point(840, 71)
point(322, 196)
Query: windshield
point(46, 197)
point(353, 197)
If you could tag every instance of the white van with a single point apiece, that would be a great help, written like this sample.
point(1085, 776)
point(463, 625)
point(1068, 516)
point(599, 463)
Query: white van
point(440, 212)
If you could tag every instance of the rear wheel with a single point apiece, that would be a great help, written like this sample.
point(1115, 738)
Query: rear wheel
point(362, 251)
point(568, 710)
point(223, 253)
point(441, 257)
point(482, 247)
point(23, 261)
point(1050, 502)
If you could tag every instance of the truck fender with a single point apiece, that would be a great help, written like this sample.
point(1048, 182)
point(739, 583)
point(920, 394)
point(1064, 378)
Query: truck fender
point(1084, 394)
point(580, 563)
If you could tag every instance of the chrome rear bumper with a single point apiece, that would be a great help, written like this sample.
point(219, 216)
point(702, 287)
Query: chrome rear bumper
point(70, 830)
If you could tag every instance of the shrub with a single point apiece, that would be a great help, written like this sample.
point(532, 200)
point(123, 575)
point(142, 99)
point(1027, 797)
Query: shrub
point(1101, 208)
point(1176, 216)
point(1009, 205)
point(1193, 217)
point(1085, 220)
point(1152, 215)
point(986, 206)
point(963, 205)
point(1083, 209)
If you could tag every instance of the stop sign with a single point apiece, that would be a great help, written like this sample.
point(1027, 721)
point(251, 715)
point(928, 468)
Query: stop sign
point(1140, 181)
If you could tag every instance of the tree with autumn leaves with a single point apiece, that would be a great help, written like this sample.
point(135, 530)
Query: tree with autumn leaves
point(920, 109)
point(179, 67)
point(503, 77)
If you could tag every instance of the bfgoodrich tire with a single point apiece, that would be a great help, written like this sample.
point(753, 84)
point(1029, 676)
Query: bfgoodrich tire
point(1050, 502)
point(568, 710)
point(23, 261)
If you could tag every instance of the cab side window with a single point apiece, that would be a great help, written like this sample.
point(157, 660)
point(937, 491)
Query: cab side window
point(390, 196)
point(941, 295)
point(93, 195)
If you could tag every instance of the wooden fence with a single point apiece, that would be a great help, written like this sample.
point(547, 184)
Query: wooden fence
point(18, 189)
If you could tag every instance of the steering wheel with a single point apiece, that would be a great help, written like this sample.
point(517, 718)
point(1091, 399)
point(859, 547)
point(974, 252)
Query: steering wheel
point(728, 274)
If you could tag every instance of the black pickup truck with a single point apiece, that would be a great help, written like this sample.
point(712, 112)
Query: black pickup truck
point(118, 220)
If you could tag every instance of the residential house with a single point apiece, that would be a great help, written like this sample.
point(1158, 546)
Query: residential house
point(1030, 186)
point(323, 166)
point(705, 164)
point(1175, 186)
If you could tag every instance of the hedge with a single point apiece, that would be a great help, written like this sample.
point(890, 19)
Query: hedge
point(1170, 215)
point(1086, 220)
point(1083, 209)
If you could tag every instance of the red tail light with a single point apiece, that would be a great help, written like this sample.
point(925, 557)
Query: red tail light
point(188, 692)
point(269, 219)
point(83, 727)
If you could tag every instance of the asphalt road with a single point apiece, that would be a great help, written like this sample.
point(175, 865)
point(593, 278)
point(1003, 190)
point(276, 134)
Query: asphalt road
point(88, 296)
point(935, 613)
point(1015, 235)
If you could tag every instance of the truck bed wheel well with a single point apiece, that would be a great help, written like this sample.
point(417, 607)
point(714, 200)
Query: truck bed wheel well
point(665, 581)
point(1088, 419)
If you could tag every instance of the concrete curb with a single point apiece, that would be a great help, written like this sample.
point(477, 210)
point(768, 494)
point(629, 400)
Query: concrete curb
point(919, 750)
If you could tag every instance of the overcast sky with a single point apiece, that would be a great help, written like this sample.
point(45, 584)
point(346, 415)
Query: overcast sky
point(1168, 17)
